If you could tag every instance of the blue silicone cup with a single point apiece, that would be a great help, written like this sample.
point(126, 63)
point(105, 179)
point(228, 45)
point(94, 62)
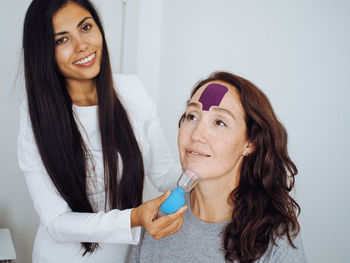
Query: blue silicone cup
point(186, 182)
point(174, 201)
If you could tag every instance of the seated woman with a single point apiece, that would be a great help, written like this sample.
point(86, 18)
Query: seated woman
point(241, 210)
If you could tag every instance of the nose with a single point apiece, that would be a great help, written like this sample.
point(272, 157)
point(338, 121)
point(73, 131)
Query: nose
point(199, 133)
point(80, 45)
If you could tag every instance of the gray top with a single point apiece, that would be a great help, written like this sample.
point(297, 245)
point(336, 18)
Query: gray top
point(198, 241)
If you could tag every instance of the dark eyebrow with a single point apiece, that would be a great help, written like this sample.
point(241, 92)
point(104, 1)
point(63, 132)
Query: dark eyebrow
point(222, 110)
point(194, 104)
point(83, 20)
point(79, 24)
point(60, 33)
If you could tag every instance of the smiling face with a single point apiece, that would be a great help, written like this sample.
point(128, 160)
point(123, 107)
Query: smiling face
point(212, 138)
point(78, 43)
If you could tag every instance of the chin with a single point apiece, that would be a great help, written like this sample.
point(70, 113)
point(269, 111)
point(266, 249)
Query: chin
point(197, 168)
point(90, 75)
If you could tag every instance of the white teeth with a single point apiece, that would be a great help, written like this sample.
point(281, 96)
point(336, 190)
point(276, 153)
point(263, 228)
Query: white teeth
point(194, 153)
point(85, 60)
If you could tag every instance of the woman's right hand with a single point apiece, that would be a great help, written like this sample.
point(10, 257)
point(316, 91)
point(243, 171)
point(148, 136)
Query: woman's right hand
point(146, 215)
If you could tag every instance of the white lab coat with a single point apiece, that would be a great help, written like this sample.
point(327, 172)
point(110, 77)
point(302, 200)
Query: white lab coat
point(61, 230)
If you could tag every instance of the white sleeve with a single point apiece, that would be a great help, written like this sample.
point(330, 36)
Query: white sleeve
point(54, 213)
point(164, 172)
point(160, 167)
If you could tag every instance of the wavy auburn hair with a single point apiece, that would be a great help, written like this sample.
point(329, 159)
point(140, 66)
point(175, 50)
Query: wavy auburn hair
point(263, 208)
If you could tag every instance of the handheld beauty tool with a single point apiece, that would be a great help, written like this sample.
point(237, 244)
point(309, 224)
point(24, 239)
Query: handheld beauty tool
point(186, 182)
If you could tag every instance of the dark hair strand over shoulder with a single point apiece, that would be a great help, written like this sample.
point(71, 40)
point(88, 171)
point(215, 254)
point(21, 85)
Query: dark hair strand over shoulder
point(57, 136)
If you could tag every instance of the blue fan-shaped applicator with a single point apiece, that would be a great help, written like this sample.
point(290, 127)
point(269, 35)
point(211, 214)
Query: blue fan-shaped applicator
point(186, 182)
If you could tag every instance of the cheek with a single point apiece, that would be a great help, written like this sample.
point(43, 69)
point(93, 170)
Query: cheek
point(181, 138)
point(229, 150)
point(62, 57)
point(97, 40)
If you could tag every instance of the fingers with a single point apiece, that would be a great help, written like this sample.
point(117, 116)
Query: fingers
point(181, 210)
point(156, 203)
point(164, 225)
point(145, 213)
point(160, 200)
point(171, 229)
point(164, 221)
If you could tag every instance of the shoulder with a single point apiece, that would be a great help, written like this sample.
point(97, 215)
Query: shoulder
point(282, 251)
point(23, 107)
point(134, 97)
point(27, 152)
point(25, 122)
point(129, 87)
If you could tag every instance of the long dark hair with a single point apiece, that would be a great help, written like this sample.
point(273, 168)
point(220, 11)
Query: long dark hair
point(263, 209)
point(57, 136)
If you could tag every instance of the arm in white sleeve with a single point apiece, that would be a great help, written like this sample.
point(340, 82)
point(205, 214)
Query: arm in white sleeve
point(104, 227)
point(54, 213)
point(159, 163)
point(164, 172)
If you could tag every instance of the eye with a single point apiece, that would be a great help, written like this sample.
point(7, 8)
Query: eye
point(86, 27)
point(61, 40)
point(220, 123)
point(191, 117)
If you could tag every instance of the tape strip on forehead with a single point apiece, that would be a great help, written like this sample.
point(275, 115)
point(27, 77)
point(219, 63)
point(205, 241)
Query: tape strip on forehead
point(212, 95)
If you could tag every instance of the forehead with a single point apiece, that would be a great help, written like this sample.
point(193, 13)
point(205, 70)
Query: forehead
point(69, 15)
point(230, 99)
point(212, 95)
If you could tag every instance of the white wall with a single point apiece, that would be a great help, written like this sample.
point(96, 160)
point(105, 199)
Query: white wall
point(297, 52)
point(16, 209)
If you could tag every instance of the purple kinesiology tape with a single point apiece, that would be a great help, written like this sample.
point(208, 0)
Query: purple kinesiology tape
point(212, 95)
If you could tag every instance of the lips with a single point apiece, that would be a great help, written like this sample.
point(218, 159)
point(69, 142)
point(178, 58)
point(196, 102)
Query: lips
point(86, 61)
point(196, 153)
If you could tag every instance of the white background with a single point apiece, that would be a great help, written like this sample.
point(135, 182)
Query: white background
point(297, 52)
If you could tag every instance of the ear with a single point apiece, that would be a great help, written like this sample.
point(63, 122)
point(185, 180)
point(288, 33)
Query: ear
point(250, 147)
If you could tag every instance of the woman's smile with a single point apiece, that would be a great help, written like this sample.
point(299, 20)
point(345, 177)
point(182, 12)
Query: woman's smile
point(86, 61)
point(79, 43)
point(196, 154)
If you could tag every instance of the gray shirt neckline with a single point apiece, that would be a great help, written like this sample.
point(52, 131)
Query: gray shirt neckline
point(199, 224)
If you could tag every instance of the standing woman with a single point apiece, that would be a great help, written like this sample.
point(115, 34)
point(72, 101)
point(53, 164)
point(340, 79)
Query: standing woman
point(86, 140)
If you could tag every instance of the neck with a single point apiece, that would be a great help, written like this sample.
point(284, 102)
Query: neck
point(210, 199)
point(82, 92)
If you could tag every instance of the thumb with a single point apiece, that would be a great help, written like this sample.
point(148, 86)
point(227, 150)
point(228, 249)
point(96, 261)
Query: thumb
point(160, 200)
